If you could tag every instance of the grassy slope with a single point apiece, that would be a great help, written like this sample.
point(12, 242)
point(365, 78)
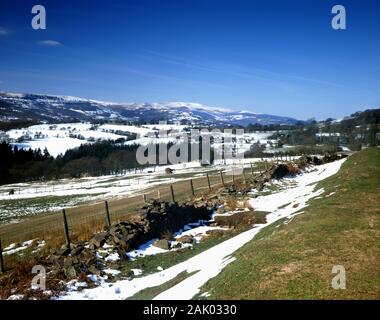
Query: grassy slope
point(295, 260)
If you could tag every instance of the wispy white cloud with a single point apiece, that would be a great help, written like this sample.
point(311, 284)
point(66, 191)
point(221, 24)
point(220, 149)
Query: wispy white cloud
point(148, 74)
point(3, 31)
point(50, 43)
point(242, 71)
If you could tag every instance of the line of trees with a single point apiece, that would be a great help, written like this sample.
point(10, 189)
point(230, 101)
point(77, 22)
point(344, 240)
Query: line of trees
point(101, 158)
point(19, 165)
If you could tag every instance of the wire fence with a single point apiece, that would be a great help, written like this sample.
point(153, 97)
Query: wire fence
point(81, 222)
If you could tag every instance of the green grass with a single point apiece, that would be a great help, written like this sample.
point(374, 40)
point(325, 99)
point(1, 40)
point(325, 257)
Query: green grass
point(295, 260)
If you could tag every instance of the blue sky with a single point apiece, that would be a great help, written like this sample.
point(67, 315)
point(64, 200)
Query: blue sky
point(276, 57)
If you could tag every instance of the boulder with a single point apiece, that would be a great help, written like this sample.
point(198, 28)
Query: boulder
point(162, 244)
point(94, 270)
point(221, 210)
point(98, 240)
point(260, 186)
point(185, 239)
point(71, 272)
point(77, 250)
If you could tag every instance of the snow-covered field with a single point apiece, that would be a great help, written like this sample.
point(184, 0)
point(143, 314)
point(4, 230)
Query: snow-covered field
point(38, 197)
point(58, 138)
point(24, 199)
point(284, 204)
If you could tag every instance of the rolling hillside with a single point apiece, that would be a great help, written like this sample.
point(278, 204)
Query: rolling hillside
point(294, 260)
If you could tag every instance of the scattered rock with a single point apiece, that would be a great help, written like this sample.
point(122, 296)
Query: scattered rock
point(64, 251)
point(185, 239)
point(98, 240)
point(175, 245)
point(93, 270)
point(77, 249)
point(71, 272)
point(162, 244)
point(221, 210)
point(216, 233)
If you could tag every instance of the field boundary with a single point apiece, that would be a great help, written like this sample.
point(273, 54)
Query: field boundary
point(84, 220)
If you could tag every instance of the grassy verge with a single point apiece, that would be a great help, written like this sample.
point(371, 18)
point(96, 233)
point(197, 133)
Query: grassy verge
point(295, 260)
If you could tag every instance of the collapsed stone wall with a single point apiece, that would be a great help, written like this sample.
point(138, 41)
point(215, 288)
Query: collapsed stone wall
point(156, 220)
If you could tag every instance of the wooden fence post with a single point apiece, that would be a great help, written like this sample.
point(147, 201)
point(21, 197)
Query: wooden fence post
point(208, 181)
point(245, 178)
point(221, 177)
point(158, 194)
point(66, 228)
point(192, 187)
point(2, 269)
point(172, 192)
point(251, 168)
point(107, 214)
point(144, 197)
point(233, 176)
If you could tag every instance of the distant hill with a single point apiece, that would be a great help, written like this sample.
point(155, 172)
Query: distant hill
point(49, 108)
point(370, 116)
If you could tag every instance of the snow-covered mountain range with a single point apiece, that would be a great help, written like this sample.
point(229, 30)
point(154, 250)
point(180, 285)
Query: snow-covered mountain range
point(53, 109)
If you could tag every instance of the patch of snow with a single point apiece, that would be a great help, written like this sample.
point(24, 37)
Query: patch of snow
point(205, 294)
point(197, 233)
point(12, 249)
point(136, 272)
point(113, 257)
point(112, 272)
point(147, 249)
point(16, 297)
point(74, 285)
